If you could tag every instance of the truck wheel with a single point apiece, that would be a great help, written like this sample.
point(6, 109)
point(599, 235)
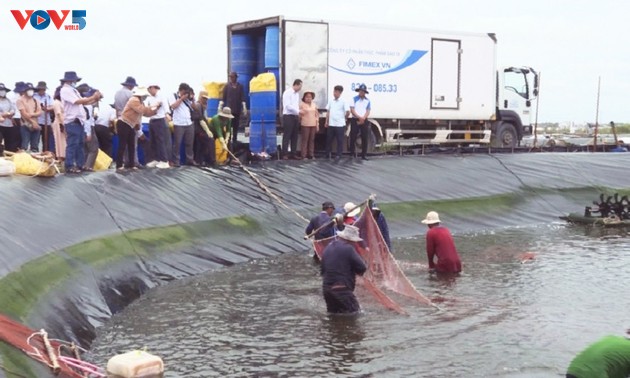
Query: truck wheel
point(505, 136)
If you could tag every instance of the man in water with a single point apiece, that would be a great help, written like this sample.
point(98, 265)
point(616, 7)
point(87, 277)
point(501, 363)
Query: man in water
point(608, 357)
point(340, 265)
point(323, 218)
point(440, 244)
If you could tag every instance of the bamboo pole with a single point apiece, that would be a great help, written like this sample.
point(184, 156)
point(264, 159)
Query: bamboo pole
point(599, 82)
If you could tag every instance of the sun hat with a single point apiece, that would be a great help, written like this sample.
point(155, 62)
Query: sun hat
point(154, 86)
point(3, 88)
point(308, 91)
point(41, 85)
point(204, 94)
point(350, 233)
point(327, 205)
point(130, 82)
point(362, 87)
point(226, 112)
point(140, 92)
point(28, 86)
point(70, 76)
point(347, 208)
point(432, 218)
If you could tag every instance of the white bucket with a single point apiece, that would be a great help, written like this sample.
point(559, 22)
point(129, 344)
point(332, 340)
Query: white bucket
point(135, 364)
point(7, 168)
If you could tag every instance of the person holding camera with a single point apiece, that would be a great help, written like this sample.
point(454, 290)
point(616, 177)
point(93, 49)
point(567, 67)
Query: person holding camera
point(182, 105)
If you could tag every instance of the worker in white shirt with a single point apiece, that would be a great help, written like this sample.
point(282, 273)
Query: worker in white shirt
point(291, 120)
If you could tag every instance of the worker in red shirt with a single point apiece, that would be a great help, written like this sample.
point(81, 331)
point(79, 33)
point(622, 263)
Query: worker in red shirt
point(440, 244)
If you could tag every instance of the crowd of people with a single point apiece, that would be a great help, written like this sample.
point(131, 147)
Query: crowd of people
point(74, 125)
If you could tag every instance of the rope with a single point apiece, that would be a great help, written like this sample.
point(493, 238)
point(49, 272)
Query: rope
point(264, 187)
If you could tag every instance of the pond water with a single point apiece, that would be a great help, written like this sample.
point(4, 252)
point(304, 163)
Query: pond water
point(499, 318)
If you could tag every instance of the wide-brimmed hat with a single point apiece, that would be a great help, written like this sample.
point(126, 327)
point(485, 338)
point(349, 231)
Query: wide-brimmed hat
point(362, 87)
point(154, 86)
point(204, 94)
point(431, 218)
point(140, 92)
point(28, 86)
point(18, 87)
point(226, 112)
point(327, 205)
point(350, 233)
point(70, 76)
point(347, 208)
point(3, 88)
point(130, 82)
point(308, 91)
point(41, 85)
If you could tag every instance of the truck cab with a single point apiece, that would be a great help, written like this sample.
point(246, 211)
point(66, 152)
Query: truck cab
point(516, 92)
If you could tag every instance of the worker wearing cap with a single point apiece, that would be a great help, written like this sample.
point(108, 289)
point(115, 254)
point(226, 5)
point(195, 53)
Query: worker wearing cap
point(360, 109)
point(321, 219)
point(440, 244)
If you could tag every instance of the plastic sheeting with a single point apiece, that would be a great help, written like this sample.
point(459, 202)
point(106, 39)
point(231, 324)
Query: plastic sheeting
point(49, 217)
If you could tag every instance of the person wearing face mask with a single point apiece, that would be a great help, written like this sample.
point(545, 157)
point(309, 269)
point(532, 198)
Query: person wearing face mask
point(130, 121)
point(30, 109)
point(8, 139)
point(74, 118)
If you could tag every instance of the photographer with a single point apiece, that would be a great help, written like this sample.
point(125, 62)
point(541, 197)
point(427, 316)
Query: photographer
point(182, 105)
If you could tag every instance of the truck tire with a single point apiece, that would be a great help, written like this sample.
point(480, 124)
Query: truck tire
point(505, 136)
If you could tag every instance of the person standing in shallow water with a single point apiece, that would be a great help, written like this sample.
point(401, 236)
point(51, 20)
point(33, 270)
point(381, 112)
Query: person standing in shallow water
point(440, 244)
point(339, 267)
point(609, 357)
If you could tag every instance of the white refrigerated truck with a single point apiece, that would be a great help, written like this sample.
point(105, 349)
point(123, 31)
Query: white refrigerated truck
point(427, 87)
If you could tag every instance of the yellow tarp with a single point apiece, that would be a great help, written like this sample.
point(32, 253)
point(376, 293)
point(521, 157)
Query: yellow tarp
point(103, 161)
point(265, 82)
point(27, 165)
point(214, 89)
point(221, 154)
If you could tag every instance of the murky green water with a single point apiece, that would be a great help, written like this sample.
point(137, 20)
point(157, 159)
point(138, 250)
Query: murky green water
point(499, 318)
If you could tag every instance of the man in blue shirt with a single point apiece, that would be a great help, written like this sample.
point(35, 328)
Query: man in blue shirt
point(620, 147)
point(340, 265)
point(336, 115)
point(360, 110)
point(323, 218)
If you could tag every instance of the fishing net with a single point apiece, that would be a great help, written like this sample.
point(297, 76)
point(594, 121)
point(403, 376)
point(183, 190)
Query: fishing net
point(33, 344)
point(383, 270)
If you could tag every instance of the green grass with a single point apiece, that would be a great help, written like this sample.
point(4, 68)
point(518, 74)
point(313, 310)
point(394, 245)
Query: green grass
point(14, 361)
point(21, 289)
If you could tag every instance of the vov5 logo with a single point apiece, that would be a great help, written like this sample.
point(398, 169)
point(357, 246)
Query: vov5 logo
point(40, 19)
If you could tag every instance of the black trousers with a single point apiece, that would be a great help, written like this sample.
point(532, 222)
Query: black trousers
point(340, 301)
point(158, 132)
point(332, 134)
point(355, 129)
point(204, 149)
point(126, 140)
point(290, 131)
point(12, 138)
point(104, 136)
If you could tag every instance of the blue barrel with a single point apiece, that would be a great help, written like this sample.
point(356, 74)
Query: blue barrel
point(213, 105)
point(262, 137)
point(260, 54)
point(272, 46)
point(244, 79)
point(263, 106)
point(243, 54)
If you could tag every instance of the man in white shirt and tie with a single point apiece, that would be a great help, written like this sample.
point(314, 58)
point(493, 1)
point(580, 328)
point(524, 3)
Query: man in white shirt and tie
point(291, 120)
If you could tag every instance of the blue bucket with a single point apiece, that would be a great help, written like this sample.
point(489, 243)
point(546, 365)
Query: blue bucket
point(263, 106)
point(260, 54)
point(213, 106)
point(272, 46)
point(243, 54)
point(244, 79)
point(262, 137)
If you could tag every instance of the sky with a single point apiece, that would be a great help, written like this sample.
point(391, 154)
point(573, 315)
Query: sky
point(571, 43)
